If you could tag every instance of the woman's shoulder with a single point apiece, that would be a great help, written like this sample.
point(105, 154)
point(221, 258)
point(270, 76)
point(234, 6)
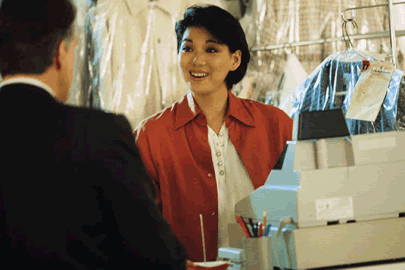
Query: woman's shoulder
point(270, 118)
point(162, 120)
point(257, 108)
point(159, 119)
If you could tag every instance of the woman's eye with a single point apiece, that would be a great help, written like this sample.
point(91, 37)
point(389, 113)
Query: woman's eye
point(186, 49)
point(212, 50)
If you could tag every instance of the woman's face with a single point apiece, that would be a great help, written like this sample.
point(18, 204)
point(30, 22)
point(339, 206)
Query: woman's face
point(204, 62)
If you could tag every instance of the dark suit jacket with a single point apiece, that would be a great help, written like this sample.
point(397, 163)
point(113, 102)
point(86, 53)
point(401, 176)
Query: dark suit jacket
point(74, 193)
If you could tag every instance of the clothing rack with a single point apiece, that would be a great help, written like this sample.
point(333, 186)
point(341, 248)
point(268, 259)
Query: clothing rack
point(325, 40)
point(392, 34)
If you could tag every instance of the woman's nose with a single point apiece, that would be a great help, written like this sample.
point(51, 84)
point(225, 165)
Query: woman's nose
point(199, 59)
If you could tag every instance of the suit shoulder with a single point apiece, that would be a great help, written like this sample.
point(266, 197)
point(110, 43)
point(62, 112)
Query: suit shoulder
point(94, 116)
point(94, 121)
point(99, 132)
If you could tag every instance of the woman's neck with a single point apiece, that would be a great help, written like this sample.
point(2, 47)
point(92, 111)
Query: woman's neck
point(214, 108)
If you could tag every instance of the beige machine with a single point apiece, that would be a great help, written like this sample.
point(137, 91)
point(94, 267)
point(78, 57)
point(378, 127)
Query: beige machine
point(344, 194)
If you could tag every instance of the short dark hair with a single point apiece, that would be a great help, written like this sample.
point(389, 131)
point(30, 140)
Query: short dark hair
point(223, 27)
point(30, 32)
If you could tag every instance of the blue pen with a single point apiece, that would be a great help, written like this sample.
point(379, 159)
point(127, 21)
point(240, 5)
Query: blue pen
point(267, 232)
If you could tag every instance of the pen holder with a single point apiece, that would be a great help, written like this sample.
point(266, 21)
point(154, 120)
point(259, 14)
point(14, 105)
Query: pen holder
point(235, 235)
point(258, 252)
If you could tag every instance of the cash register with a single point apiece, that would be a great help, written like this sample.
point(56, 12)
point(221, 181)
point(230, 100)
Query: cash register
point(333, 199)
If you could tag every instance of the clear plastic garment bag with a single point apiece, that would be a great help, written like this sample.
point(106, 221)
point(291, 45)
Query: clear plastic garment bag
point(129, 37)
point(131, 56)
point(331, 85)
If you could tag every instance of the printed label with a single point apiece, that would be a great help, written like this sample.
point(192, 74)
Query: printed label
point(334, 208)
point(370, 90)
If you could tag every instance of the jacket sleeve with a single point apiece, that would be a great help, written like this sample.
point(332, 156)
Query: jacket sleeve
point(142, 227)
point(288, 129)
point(143, 144)
point(285, 125)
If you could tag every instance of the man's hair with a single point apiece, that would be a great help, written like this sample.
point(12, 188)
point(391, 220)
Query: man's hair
point(223, 27)
point(30, 33)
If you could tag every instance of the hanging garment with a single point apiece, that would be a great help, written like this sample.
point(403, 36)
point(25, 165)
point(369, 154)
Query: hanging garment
point(83, 86)
point(136, 55)
point(127, 54)
point(294, 74)
point(400, 125)
point(331, 86)
point(275, 22)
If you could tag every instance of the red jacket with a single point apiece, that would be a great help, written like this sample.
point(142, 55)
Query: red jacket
point(175, 149)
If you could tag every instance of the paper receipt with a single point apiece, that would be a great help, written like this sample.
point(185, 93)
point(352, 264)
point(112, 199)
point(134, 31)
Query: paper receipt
point(370, 90)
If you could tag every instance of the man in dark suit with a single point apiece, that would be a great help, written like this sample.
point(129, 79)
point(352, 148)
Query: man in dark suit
point(74, 193)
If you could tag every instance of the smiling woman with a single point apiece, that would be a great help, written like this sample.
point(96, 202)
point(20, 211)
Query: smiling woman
point(222, 29)
point(205, 62)
point(210, 149)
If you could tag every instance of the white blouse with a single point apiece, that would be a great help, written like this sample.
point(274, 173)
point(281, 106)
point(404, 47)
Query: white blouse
point(233, 181)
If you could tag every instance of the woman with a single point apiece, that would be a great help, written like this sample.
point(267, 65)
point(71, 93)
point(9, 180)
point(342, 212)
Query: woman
point(210, 149)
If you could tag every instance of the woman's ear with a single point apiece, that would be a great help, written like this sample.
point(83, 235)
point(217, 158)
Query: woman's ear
point(236, 59)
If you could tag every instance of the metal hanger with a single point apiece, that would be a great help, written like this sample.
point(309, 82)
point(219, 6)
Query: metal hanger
point(346, 37)
point(345, 33)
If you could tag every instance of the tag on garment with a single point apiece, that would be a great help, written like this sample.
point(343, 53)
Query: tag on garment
point(370, 90)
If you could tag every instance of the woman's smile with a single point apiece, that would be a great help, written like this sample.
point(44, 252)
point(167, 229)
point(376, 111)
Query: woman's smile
point(198, 75)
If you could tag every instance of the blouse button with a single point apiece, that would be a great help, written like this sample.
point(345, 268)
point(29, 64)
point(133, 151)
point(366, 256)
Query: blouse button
point(218, 154)
point(213, 213)
point(220, 163)
point(221, 172)
point(209, 175)
point(221, 134)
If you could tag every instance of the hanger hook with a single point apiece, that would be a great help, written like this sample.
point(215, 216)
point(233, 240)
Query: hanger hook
point(345, 33)
point(287, 48)
point(344, 18)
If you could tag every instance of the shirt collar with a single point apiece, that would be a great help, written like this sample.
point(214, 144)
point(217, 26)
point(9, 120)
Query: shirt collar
point(239, 110)
point(30, 81)
point(188, 111)
point(171, 7)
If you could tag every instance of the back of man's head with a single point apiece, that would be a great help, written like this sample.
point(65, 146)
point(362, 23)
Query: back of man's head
point(30, 32)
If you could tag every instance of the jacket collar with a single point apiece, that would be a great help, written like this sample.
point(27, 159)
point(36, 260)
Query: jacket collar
point(188, 110)
point(239, 110)
point(30, 81)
